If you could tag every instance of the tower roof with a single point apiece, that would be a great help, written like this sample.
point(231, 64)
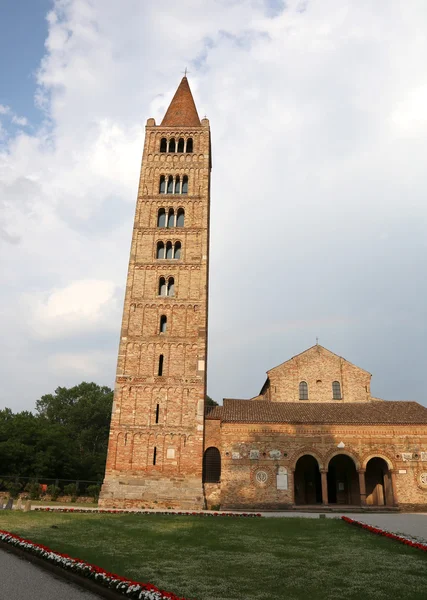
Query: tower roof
point(182, 111)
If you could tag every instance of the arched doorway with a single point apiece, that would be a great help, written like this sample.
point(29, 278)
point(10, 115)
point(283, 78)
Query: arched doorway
point(379, 491)
point(307, 483)
point(212, 465)
point(343, 481)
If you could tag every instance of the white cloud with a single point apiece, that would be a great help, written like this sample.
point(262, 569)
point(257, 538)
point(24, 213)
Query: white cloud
point(318, 191)
point(79, 307)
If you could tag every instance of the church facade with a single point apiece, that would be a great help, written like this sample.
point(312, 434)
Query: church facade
point(313, 436)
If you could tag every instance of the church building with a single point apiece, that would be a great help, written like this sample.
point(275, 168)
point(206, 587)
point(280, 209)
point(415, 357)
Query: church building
point(313, 435)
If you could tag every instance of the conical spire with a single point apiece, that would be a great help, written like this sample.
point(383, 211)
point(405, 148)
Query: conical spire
point(182, 111)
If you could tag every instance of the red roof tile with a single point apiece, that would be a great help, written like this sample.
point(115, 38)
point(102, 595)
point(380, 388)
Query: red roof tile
point(333, 413)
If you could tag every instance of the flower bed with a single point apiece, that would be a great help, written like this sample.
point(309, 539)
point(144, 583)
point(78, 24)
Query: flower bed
point(114, 511)
point(387, 534)
point(125, 587)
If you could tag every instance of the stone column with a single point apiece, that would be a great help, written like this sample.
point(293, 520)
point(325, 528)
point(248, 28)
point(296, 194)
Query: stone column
point(362, 487)
point(324, 476)
point(394, 487)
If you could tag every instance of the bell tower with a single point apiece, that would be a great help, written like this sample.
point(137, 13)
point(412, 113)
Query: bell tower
point(156, 438)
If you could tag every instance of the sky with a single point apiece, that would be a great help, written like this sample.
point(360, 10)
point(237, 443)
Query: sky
point(318, 114)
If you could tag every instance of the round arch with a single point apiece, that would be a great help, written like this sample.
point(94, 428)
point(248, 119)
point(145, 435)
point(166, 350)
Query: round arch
point(382, 455)
point(303, 452)
point(307, 480)
point(331, 455)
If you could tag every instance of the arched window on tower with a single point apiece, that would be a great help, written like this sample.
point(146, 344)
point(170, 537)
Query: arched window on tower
point(163, 323)
point(184, 189)
point(211, 465)
point(160, 368)
point(177, 250)
point(163, 145)
point(336, 390)
point(189, 145)
point(303, 390)
point(170, 184)
point(162, 186)
point(154, 455)
point(171, 286)
point(181, 145)
point(160, 250)
point(169, 252)
point(172, 145)
point(171, 218)
point(180, 218)
point(162, 287)
point(177, 185)
point(161, 218)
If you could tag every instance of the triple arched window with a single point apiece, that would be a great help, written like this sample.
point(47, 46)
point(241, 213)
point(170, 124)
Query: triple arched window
point(170, 184)
point(303, 390)
point(168, 251)
point(166, 286)
point(181, 145)
point(171, 218)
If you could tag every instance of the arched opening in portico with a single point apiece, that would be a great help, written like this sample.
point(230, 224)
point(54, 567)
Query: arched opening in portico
point(379, 491)
point(343, 481)
point(307, 481)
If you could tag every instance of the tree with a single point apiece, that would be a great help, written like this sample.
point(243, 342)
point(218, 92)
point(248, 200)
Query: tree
point(210, 402)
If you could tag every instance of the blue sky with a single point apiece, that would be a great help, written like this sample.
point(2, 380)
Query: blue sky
point(318, 114)
point(23, 30)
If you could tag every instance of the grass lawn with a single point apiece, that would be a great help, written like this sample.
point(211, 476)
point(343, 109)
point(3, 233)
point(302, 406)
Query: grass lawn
point(235, 559)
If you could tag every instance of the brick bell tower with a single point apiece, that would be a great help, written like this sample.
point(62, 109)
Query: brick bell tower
point(155, 448)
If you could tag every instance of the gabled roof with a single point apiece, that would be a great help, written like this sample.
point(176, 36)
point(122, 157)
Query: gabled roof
point(182, 110)
point(318, 347)
point(322, 413)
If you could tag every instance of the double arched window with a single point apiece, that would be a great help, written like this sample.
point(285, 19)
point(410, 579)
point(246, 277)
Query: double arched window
point(168, 251)
point(336, 390)
point(181, 145)
point(303, 390)
point(174, 219)
point(173, 185)
point(166, 287)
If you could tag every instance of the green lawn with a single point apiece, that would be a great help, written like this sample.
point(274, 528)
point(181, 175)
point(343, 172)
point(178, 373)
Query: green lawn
point(236, 559)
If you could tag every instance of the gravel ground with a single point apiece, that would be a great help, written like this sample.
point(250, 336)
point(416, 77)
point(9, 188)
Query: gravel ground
point(21, 580)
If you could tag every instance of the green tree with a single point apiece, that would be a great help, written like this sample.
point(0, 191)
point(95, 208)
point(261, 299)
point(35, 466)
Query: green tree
point(210, 402)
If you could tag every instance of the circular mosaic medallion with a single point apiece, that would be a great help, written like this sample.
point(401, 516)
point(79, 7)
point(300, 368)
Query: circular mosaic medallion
point(261, 477)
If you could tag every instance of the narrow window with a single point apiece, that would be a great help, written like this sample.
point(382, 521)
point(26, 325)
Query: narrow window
point(170, 184)
point(157, 413)
point(163, 323)
point(162, 286)
point(161, 218)
point(181, 145)
point(303, 390)
point(171, 218)
point(169, 253)
point(171, 287)
point(160, 250)
point(160, 370)
point(172, 145)
point(180, 218)
point(162, 187)
point(184, 185)
point(177, 250)
point(177, 185)
point(336, 390)
point(163, 145)
point(190, 145)
point(154, 455)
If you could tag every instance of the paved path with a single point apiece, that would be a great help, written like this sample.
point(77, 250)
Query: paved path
point(21, 580)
